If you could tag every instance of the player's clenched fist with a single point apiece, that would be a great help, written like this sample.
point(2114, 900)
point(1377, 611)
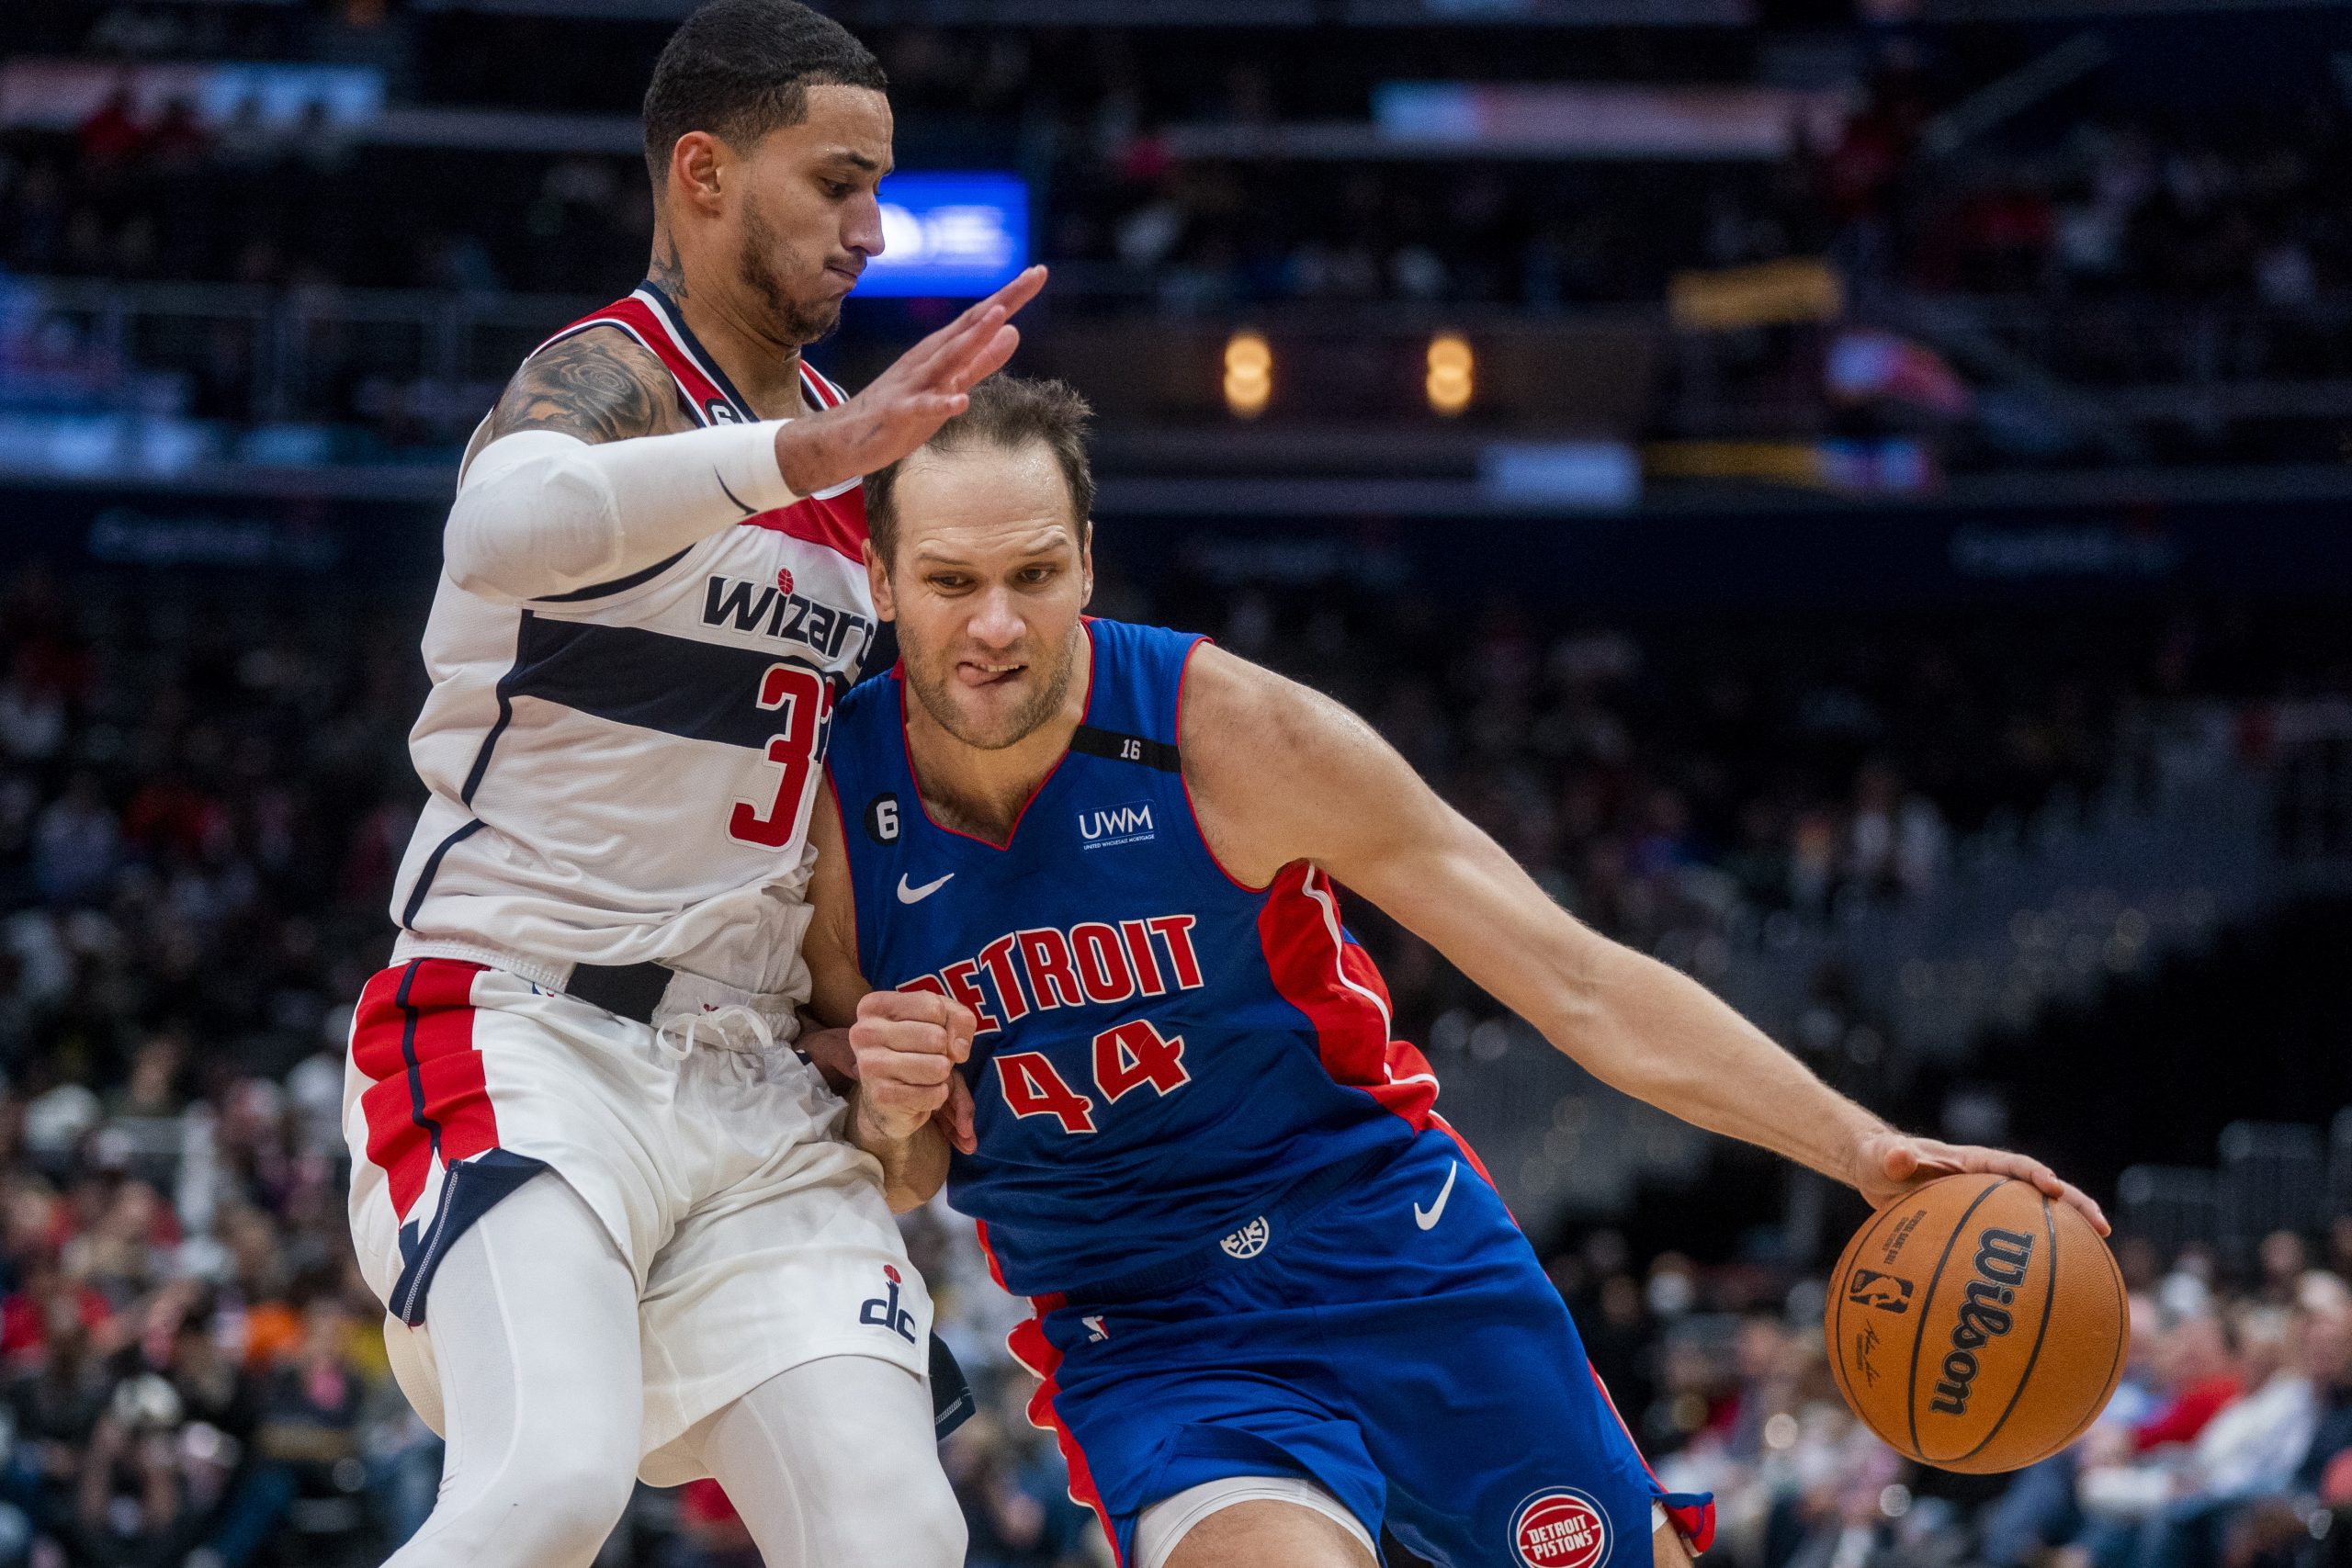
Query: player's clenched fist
point(907, 1045)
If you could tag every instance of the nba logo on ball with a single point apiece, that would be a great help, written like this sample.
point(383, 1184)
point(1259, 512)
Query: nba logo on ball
point(1561, 1529)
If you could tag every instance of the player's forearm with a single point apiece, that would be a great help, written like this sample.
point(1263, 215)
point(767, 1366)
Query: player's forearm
point(541, 513)
point(1661, 1037)
point(913, 1167)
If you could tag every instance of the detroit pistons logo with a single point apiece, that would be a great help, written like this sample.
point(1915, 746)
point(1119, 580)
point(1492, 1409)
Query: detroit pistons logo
point(1250, 1240)
point(1561, 1529)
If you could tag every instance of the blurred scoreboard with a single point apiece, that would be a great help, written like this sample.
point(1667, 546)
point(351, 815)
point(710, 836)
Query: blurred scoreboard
point(949, 235)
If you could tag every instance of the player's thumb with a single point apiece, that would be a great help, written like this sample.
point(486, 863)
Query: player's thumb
point(1901, 1161)
point(957, 1115)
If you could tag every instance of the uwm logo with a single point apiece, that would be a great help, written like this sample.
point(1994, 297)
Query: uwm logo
point(1047, 967)
point(773, 612)
point(1116, 825)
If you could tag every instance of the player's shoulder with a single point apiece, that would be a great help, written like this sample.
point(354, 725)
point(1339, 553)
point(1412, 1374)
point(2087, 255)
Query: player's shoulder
point(1227, 698)
point(598, 383)
point(1241, 725)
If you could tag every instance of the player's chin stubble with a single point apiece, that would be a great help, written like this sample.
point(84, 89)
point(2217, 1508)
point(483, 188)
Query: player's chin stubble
point(932, 689)
point(793, 321)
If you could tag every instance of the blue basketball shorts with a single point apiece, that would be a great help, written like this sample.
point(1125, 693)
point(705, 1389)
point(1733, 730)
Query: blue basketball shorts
point(1398, 1346)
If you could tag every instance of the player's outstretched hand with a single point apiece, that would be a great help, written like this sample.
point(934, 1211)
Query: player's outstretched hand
point(904, 406)
point(908, 1045)
point(1890, 1164)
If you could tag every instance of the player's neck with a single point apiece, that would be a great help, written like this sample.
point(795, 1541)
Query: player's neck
point(984, 793)
point(766, 371)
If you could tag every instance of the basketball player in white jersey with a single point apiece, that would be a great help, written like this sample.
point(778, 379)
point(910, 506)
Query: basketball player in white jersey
point(606, 1205)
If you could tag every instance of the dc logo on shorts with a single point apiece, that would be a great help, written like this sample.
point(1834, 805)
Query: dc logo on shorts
point(1250, 1240)
point(884, 1311)
point(1561, 1528)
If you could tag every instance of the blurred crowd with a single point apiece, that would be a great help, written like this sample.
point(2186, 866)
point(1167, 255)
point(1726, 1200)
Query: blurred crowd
point(202, 800)
point(2224, 203)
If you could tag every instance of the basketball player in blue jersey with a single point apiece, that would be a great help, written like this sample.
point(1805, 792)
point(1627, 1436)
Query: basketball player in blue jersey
point(1094, 868)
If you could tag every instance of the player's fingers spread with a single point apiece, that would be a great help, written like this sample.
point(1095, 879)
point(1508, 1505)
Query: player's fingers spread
point(1022, 289)
point(938, 408)
point(947, 347)
point(991, 358)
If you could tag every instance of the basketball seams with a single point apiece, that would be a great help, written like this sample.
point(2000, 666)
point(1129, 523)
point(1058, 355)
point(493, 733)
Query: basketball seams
point(2048, 1299)
point(1911, 1384)
point(2115, 1360)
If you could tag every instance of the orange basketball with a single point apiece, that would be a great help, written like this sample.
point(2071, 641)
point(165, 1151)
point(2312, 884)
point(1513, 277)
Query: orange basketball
point(1976, 1325)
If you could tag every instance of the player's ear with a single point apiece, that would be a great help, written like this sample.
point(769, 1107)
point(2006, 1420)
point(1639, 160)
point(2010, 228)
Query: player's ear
point(694, 162)
point(1086, 565)
point(877, 577)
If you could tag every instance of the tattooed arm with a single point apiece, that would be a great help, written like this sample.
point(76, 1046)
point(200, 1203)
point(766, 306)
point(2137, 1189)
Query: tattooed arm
point(599, 386)
point(591, 469)
point(587, 472)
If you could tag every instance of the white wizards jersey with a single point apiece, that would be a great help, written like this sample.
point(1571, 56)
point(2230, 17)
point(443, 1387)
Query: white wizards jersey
point(625, 773)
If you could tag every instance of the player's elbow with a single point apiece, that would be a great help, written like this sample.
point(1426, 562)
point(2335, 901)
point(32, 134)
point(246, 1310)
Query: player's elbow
point(540, 527)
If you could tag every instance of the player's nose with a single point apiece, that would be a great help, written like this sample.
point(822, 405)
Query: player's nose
point(862, 227)
point(996, 623)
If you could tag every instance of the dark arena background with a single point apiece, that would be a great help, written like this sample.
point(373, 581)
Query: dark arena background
point(1856, 494)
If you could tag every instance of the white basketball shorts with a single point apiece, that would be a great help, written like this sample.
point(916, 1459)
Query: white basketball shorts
point(759, 1238)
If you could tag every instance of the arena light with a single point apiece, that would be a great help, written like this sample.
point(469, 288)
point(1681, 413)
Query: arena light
point(1451, 374)
point(1249, 374)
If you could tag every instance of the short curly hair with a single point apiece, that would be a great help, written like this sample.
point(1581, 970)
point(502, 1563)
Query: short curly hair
point(1007, 412)
point(739, 69)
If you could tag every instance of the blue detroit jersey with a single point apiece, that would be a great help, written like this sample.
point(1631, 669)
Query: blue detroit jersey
point(1161, 1050)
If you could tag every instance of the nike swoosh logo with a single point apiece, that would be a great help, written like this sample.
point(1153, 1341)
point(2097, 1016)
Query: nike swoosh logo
point(1428, 1218)
point(917, 894)
point(730, 494)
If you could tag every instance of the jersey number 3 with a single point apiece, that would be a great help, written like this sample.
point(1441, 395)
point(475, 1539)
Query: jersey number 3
point(805, 699)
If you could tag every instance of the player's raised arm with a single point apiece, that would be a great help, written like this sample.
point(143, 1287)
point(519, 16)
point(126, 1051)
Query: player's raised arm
point(588, 472)
point(1280, 773)
point(902, 1046)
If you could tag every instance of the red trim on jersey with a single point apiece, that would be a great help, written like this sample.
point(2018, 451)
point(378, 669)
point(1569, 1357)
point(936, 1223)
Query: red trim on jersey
point(1442, 1126)
point(1693, 1521)
point(1036, 1354)
point(1332, 981)
point(836, 522)
point(640, 321)
point(827, 394)
point(412, 1036)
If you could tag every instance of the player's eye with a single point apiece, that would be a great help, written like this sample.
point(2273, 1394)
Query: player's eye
point(1036, 574)
point(837, 189)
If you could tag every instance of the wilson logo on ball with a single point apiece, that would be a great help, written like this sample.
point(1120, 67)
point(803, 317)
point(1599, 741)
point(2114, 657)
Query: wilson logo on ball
point(1561, 1529)
point(2001, 1259)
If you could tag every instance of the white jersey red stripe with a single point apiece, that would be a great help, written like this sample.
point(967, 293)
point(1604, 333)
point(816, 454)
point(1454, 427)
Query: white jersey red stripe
point(624, 772)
